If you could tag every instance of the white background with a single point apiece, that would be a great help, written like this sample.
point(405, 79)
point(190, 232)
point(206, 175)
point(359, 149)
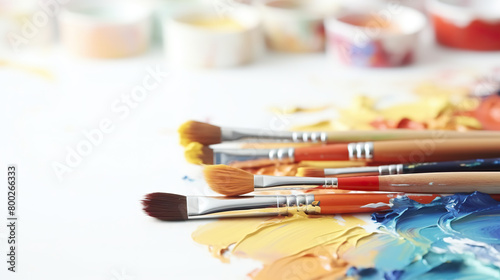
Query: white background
point(89, 224)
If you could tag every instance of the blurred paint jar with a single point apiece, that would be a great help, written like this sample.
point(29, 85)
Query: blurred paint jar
point(208, 38)
point(471, 24)
point(106, 30)
point(386, 37)
point(294, 25)
point(27, 24)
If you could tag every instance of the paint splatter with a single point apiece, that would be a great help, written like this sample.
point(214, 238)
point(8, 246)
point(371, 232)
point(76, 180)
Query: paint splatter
point(187, 178)
point(38, 71)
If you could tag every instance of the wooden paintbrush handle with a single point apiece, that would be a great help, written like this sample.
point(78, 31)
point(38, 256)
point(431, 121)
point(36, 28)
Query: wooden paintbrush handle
point(362, 202)
point(450, 182)
point(428, 150)
point(322, 153)
point(405, 134)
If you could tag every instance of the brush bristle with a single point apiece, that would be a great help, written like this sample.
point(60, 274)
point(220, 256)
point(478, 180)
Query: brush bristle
point(166, 206)
point(310, 172)
point(204, 133)
point(228, 180)
point(196, 153)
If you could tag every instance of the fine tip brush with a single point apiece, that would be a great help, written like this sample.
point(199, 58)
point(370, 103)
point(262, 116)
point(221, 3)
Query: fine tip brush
point(487, 164)
point(174, 207)
point(208, 134)
point(232, 181)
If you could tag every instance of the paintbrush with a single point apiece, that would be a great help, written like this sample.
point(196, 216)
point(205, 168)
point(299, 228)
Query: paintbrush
point(397, 151)
point(232, 181)
point(488, 164)
point(207, 134)
point(174, 207)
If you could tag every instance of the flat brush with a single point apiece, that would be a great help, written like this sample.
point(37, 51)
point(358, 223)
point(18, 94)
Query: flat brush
point(397, 151)
point(174, 207)
point(232, 181)
point(207, 134)
point(488, 164)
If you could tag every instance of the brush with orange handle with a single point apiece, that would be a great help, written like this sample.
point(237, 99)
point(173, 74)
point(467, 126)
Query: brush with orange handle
point(397, 151)
point(174, 207)
point(232, 181)
point(208, 134)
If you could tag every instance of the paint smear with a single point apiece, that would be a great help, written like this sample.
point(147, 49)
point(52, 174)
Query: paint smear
point(43, 73)
point(286, 246)
point(193, 152)
point(454, 237)
point(435, 107)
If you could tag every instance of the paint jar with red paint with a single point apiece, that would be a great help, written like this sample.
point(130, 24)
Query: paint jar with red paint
point(383, 37)
point(466, 24)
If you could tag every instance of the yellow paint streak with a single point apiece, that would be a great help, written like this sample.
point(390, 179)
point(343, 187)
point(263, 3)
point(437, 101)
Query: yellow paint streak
point(438, 107)
point(220, 234)
point(295, 245)
point(193, 152)
point(43, 73)
point(298, 109)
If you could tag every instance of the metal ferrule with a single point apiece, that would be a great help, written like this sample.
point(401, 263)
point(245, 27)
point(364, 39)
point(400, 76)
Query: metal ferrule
point(199, 207)
point(233, 134)
point(360, 151)
point(226, 156)
point(352, 171)
point(265, 181)
point(392, 169)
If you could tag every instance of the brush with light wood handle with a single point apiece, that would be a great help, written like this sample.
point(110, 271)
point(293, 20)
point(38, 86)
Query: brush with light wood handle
point(208, 134)
point(400, 151)
point(232, 181)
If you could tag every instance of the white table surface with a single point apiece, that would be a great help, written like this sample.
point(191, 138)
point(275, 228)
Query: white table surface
point(89, 224)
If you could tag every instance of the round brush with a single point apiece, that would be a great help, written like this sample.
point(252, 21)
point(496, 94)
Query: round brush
point(232, 181)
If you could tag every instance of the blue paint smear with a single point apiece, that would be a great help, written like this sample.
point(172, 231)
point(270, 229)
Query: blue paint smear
point(453, 237)
point(187, 178)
